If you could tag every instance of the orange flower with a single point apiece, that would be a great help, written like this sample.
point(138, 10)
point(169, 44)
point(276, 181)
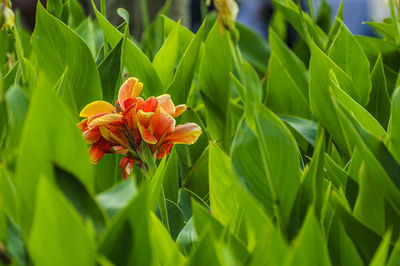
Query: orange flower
point(132, 120)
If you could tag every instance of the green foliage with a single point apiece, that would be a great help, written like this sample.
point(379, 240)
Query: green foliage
point(298, 163)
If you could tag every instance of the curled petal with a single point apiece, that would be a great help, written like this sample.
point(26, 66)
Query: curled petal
point(166, 103)
point(180, 109)
point(97, 107)
point(98, 149)
point(164, 150)
point(119, 149)
point(92, 135)
point(113, 135)
point(144, 117)
point(83, 126)
point(161, 123)
point(107, 119)
point(146, 135)
point(150, 104)
point(126, 165)
point(184, 134)
point(131, 88)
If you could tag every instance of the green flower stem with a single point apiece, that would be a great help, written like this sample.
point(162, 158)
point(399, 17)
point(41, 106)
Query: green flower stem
point(149, 171)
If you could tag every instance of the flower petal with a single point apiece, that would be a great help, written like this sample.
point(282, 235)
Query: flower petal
point(166, 103)
point(146, 135)
point(144, 117)
point(184, 134)
point(83, 126)
point(92, 135)
point(165, 150)
point(97, 107)
point(113, 135)
point(131, 88)
point(107, 119)
point(126, 165)
point(161, 123)
point(150, 104)
point(180, 109)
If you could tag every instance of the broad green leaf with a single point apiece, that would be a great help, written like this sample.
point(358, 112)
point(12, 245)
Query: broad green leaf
point(8, 195)
point(292, 64)
point(141, 67)
point(394, 258)
point(383, 28)
point(56, 222)
point(254, 47)
point(306, 128)
point(180, 87)
point(110, 73)
point(186, 238)
point(71, 52)
point(117, 198)
point(206, 252)
point(175, 218)
point(335, 173)
point(291, 12)
point(260, 146)
point(379, 104)
point(55, 7)
point(50, 136)
point(165, 59)
point(171, 179)
point(349, 56)
point(341, 247)
point(165, 250)
point(309, 248)
point(394, 127)
point(80, 198)
point(76, 13)
point(382, 253)
point(127, 242)
point(15, 245)
point(370, 213)
point(88, 31)
point(215, 84)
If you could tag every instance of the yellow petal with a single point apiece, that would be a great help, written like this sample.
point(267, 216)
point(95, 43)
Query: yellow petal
point(97, 107)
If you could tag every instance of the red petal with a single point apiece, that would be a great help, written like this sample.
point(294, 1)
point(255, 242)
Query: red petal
point(92, 135)
point(184, 134)
point(146, 135)
point(97, 151)
point(165, 150)
point(83, 125)
point(144, 117)
point(107, 119)
point(126, 165)
point(150, 104)
point(166, 103)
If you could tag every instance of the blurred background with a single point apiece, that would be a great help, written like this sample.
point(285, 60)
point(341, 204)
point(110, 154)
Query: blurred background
point(254, 13)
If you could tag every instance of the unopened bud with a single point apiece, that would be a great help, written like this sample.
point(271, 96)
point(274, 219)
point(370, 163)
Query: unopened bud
point(7, 18)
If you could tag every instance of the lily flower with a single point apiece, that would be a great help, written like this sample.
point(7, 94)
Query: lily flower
point(131, 122)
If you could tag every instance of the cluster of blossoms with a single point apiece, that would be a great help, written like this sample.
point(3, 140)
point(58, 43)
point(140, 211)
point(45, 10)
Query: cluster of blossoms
point(133, 122)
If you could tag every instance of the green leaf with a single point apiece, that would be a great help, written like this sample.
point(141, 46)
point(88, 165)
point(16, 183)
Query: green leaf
point(215, 85)
point(309, 248)
point(381, 255)
point(110, 73)
point(165, 59)
point(165, 250)
point(71, 52)
point(8, 195)
point(180, 87)
point(394, 127)
point(254, 47)
point(258, 150)
point(394, 258)
point(117, 198)
point(306, 128)
point(349, 56)
point(379, 104)
point(186, 238)
point(171, 178)
point(50, 136)
point(197, 180)
point(206, 252)
point(141, 67)
point(55, 222)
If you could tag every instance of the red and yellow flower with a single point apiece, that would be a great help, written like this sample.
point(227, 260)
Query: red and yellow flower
point(132, 122)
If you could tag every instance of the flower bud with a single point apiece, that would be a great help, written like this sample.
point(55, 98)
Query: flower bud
point(7, 18)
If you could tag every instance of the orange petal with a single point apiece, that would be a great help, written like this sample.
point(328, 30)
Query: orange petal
point(161, 123)
point(107, 119)
point(150, 104)
point(126, 165)
point(184, 134)
point(128, 90)
point(146, 135)
point(165, 150)
point(144, 117)
point(92, 135)
point(180, 109)
point(97, 107)
point(137, 89)
point(112, 135)
point(166, 103)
